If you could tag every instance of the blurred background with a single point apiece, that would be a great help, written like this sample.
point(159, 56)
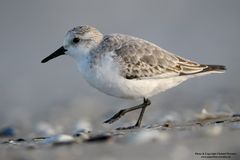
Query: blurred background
point(204, 31)
point(30, 92)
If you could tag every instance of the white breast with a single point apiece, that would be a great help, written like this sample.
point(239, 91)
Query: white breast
point(106, 78)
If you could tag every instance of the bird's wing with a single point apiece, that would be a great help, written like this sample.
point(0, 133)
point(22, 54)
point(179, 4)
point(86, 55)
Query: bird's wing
point(140, 59)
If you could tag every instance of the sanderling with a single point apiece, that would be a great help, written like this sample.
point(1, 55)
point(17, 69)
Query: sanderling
point(127, 67)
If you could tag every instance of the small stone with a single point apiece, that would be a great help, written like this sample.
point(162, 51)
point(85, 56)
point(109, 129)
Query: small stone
point(99, 138)
point(20, 140)
point(16, 141)
point(7, 132)
point(38, 139)
point(82, 135)
point(236, 115)
point(168, 124)
point(61, 139)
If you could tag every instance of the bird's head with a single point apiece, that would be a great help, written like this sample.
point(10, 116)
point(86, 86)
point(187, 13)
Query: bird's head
point(77, 42)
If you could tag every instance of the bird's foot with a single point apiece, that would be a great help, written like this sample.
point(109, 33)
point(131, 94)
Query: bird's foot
point(116, 117)
point(129, 127)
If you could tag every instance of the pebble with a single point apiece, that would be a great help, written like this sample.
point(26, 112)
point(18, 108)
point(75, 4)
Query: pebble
point(16, 141)
point(236, 115)
point(99, 138)
point(7, 132)
point(61, 139)
point(83, 129)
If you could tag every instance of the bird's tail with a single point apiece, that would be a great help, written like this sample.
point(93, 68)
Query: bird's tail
point(205, 69)
point(214, 68)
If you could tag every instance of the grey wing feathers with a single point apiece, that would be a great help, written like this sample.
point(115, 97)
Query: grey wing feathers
point(142, 59)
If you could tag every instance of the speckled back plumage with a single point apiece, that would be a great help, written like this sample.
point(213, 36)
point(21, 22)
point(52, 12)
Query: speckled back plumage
point(139, 58)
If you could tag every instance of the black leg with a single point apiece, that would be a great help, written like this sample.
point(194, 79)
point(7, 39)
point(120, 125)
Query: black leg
point(138, 124)
point(146, 102)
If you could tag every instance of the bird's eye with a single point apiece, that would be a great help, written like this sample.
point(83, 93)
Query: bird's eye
point(76, 40)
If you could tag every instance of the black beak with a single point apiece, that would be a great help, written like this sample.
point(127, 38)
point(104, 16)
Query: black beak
point(58, 52)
